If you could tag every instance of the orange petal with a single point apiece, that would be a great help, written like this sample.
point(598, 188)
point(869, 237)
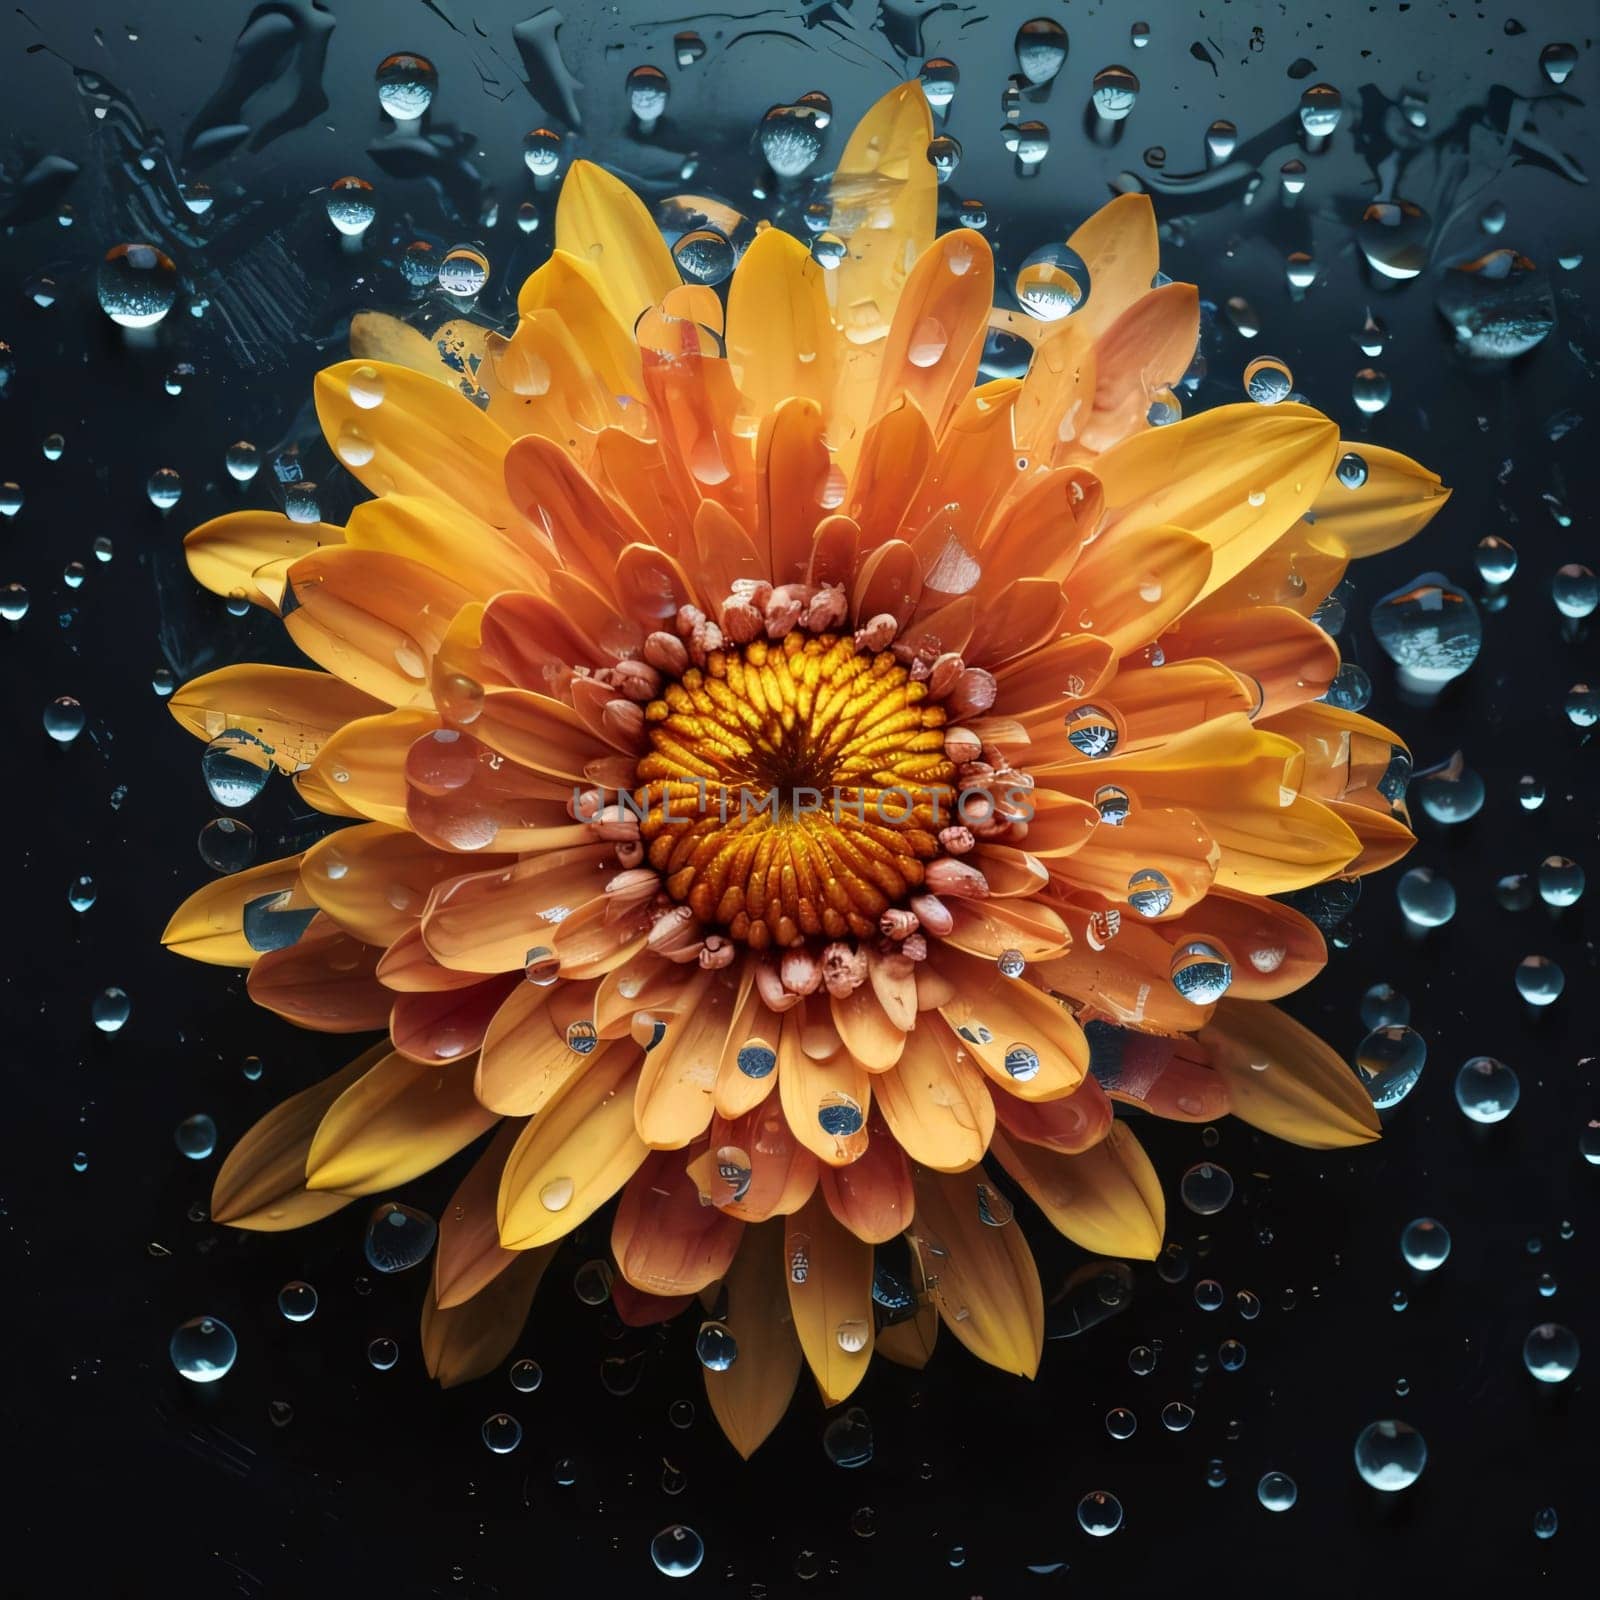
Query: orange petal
point(362, 767)
point(1166, 1075)
point(1237, 477)
point(939, 324)
point(289, 709)
point(936, 1104)
point(209, 925)
point(1070, 1124)
point(872, 1196)
point(421, 438)
point(1120, 247)
point(830, 1296)
point(481, 559)
point(1147, 349)
point(243, 552)
point(325, 980)
point(1272, 948)
point(533, 1052)
point(471, 1338)
point(1128, 589)
point(569, 287)
point(674, 1096)
point(469, 1253)
point(1108, 1199)
point(895, 453)
point(885, 195)
point(443, 1025)
point(373, 880)
point(1284, 1080)
point(1047, 680)
point(820, 1096)
point(780, 336)
point(749, 1398)
point(782, 1171)
point(992, 928)
point(407, 968)
point(1024, 1041)
point(1126, 977)
point(1287, 656)
point(982, 1277)
point(262, 1183)
point(1159, 838)
point(1058, 389)
point(666, 1242)
point(394, 1123)
point(1396, 501)
point(489, 921)
point(793, 467)
point(599, 220)
point(573, 1158)
point(868, 1033)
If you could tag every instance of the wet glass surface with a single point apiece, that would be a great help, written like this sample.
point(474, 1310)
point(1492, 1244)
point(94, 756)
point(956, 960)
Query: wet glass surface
point(1422, 269)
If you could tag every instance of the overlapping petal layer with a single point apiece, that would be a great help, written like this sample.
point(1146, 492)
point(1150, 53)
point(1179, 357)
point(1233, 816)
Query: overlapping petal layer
point(677, 557)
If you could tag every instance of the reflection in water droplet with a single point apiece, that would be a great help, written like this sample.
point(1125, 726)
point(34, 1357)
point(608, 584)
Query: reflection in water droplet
point(1390, 1455)
point(399, 1237)
point(203, 1349)
point(1550, 1352)
point(1099, 1513)
point(677, 1551)
point(1425, 1244)
point(1277, 1491)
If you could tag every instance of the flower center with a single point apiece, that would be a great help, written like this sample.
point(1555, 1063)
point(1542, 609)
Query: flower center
point(794, 788)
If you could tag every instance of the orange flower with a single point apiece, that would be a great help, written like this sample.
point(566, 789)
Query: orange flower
point(641, 580)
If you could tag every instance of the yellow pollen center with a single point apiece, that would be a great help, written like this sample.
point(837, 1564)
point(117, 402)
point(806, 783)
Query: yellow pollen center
point(794, 789)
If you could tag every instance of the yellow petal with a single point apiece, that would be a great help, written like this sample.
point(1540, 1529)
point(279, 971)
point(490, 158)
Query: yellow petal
point(829, 1274)
point(674, 1099)
point(815, 1093)
point(572, 290)
point(527, 1062)
point(291, 710)
point(399, 1120)
point(471, 1338)
point(480, 559)
point(1108, 1199)
point(574, 1157)
point(230, 554)
point(749, 1398)
point(1028, 1043)
point(1120, 247)
point(451, 354)
point(601, 221)
point(469, 1254)
point(209, 925)
point(1127, 589)
point(325, 981)
point(983, 1278)
point(362, 766)
point(1147, 349)
point(885, 196)
point(1238, 477)
point(1397, 501)
point(373, 880)
point(420, 439)
point(1284, 1080)
point(936, 1104)
point(780, 337)
point(489, 921)
point(938, 328)
point(374, 619)
point(262, 1184)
